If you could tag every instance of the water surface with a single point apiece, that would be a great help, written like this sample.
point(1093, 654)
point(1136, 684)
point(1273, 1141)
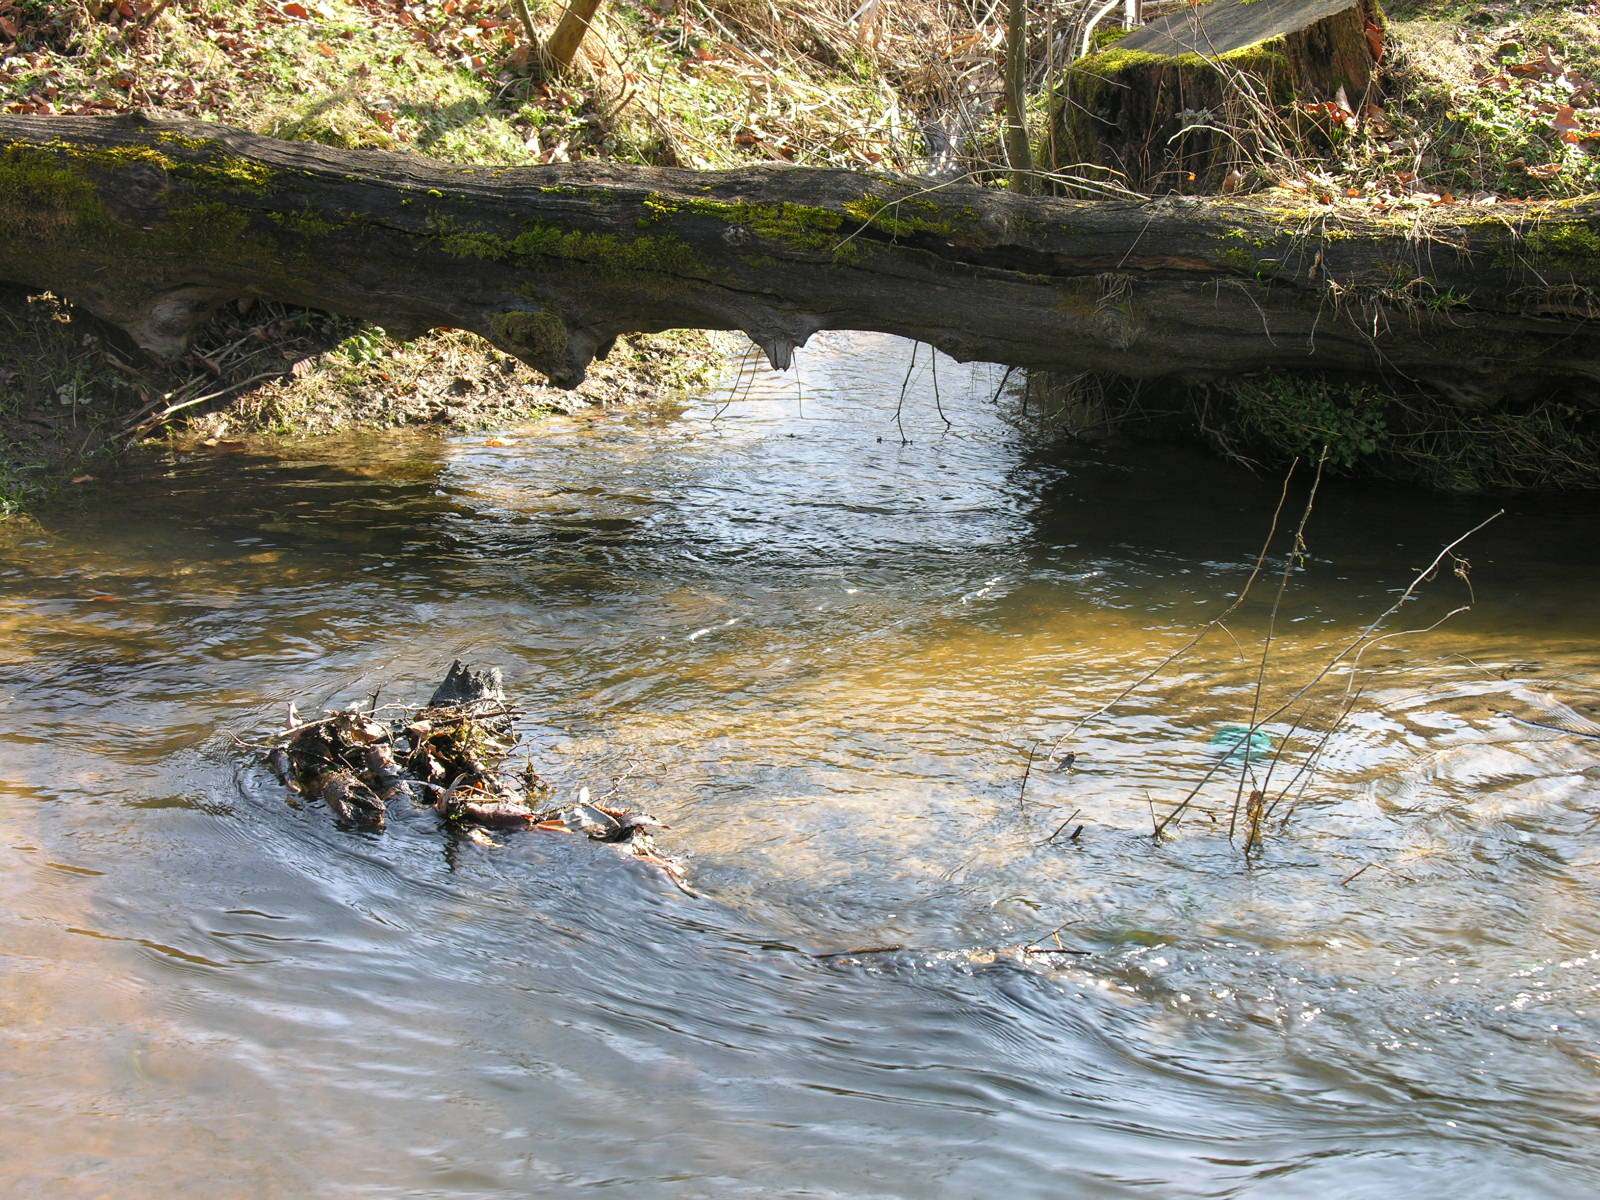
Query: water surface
point(821, 655)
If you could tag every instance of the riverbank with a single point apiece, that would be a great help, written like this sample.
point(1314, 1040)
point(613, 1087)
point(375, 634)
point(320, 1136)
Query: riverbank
point(1490, 104)
point(1474, 111)
point(74, 396)
point(726, 85)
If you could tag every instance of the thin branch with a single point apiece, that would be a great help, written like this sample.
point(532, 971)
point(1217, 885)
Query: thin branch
point(1296, 548)
point(1255, 572)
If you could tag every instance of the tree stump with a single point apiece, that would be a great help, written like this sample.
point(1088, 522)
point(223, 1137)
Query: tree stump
point(1176, 105)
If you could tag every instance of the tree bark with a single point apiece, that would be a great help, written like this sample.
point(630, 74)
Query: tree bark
point(152, 225)
point(1018, 152)
point(570, 30)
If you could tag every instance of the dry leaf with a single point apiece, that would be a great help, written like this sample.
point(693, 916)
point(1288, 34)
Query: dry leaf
point(1535, 66)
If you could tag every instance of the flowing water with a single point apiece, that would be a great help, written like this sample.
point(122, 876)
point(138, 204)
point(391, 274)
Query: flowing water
point(821, 656)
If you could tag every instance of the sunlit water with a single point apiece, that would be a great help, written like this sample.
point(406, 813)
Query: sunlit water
point(821, 655)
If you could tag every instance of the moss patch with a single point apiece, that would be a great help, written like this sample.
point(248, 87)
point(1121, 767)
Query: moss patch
point(1571, 246)
point(539, 335)
point(609, 253)
point(797, 226)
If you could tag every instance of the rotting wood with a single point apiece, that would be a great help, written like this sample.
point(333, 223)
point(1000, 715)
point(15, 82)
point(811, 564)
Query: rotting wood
point(448, 758)
point(1169, 106)
point(152, 225)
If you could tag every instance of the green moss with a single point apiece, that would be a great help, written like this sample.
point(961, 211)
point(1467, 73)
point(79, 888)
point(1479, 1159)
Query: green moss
point(307, 224)
point(1237, 258)
point(173, 138)
point(1244, 253)
point(813, 227)
point(60, 175)
point(50, 193)
point(1116, 60)
point(905, 216)
point(539, 336)
point(608, 252)
point(472, 243)
point(214, 167)
point(43, 194)
point(1107, 35)
point(1087, 100)
point(798, 226)
point(228, 170)
point(1570, 246)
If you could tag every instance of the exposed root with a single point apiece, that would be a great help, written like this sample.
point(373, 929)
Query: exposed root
point(451, 756)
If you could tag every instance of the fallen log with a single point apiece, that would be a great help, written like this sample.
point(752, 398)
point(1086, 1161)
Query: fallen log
point(152, 225)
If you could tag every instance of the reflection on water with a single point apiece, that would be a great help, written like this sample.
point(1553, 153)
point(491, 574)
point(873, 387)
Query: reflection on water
point(820, 654)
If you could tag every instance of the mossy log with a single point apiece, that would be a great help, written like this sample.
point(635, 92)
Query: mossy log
point(153, 225)
point(1163, 108)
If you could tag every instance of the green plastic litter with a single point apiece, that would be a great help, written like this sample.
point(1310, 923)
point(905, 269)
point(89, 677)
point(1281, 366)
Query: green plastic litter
point(1231, 739)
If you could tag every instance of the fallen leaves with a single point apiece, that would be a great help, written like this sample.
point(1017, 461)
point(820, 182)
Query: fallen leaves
point(1572, 130)
point(1375, 41)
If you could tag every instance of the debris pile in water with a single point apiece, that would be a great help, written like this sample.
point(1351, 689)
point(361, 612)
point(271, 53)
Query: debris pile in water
point(450, 755)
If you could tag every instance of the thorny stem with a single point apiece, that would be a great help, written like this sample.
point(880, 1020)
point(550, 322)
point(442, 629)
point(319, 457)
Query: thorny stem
point(1361, 639)
point(1022, 796)
point(1352, 694)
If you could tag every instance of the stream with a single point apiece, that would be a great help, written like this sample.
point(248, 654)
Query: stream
point(820, 654)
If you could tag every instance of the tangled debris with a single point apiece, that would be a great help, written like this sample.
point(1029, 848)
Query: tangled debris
point(450, 755)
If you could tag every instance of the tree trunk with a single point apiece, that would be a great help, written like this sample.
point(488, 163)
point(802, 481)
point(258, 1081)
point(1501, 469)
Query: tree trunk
point(1175, 105)
point(1018, 152)
point(152, 225)
point(574, 23)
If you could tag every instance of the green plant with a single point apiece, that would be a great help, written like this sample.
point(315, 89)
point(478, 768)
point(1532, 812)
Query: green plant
point(1283, 417)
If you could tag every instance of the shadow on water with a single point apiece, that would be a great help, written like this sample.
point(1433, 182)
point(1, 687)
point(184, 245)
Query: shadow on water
point(819, 654)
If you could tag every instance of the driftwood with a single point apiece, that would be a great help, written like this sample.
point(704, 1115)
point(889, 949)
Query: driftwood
point(448, 756)
point(152, 225)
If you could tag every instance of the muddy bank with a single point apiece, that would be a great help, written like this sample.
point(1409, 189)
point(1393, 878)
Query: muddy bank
point(74, 394)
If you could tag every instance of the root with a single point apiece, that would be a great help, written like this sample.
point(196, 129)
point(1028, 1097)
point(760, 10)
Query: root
point(449, 756)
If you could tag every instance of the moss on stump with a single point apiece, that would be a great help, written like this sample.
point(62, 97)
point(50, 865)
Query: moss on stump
point(1163, 106)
